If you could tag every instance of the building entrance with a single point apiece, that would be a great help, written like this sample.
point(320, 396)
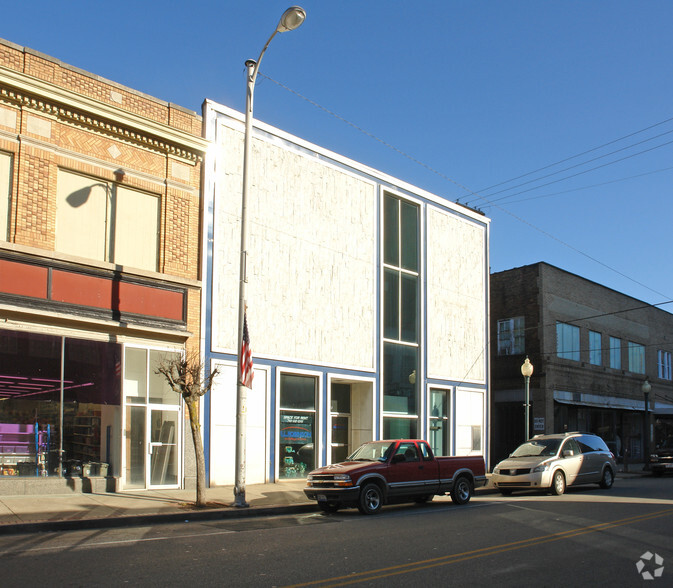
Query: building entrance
point(340, 415)
point(152, 432)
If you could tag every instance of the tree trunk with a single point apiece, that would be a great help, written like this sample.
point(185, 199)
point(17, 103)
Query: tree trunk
point(193, 408)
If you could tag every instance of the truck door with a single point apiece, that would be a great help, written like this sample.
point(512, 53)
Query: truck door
point(408, 474)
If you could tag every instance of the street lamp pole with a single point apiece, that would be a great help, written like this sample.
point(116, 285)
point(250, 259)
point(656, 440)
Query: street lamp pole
point(647, 388)
point(292, 18)
point(527, 372)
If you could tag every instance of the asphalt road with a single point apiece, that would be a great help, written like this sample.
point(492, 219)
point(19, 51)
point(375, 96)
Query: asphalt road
point(587, 537)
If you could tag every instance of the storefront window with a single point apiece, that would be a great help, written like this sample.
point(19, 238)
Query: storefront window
point(297, 440)
point(159, 390)
point(400, 364)
point(398, 428)
point(135, 376)
point(57, 419)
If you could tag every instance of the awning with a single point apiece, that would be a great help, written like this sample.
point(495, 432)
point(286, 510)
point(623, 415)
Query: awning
point(598, 401)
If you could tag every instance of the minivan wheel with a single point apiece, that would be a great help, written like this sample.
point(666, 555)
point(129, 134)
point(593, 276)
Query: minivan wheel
point(558, 483)
point(607, 479)
point(371, 499)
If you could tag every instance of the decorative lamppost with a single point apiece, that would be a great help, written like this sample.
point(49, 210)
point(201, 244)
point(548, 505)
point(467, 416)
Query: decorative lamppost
point(647, 388)
point(527, 372)
point(292, 18)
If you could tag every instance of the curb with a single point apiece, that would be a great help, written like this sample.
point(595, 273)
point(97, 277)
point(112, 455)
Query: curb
point(168, 518)
point(154, 519)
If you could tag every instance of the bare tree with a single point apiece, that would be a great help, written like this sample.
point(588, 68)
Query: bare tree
point(185, 375)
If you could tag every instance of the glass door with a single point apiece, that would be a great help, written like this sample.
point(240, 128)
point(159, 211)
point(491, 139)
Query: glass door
point(439, 422)
point(340, 434)
point(135, 449)
point(163, 448)
point(152, 418)
point(340, 416)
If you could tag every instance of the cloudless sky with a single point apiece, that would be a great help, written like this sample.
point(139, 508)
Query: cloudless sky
point(478, 92)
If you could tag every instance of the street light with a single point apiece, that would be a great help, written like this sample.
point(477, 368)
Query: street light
point(647, 388)
point(292, 18)
point(527, 372)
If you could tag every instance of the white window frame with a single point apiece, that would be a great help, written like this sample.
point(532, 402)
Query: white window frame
point(511, 340)
point(6, 168)
point(636, 358)
point(115, 223)
point(567, 341)
point(318, 418)
point(595, 348)
point(615, 353)
point(664, 365)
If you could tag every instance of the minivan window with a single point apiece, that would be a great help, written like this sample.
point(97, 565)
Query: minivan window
point(573, 446)
point(536, 447)
point(590, 443)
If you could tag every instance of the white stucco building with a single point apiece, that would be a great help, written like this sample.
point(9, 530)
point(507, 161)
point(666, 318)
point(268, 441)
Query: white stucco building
point(367, 307)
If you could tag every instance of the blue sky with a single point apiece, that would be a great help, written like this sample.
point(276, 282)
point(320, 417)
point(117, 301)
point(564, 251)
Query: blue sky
point(478, 92)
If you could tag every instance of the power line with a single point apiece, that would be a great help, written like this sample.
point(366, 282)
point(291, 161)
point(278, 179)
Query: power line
point(576, 156)
point(540, 196)
point(491, 200)
point(426, 166)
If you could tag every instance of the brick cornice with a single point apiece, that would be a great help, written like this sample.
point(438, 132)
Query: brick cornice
point(38, 95)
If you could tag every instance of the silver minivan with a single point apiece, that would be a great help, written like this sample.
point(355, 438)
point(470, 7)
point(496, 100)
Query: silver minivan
point(553, 462)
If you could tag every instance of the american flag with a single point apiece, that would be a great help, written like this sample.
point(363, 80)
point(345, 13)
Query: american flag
point(247, 373)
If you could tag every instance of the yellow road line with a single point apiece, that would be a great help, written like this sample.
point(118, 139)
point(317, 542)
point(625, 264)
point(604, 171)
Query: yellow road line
point(482, 552)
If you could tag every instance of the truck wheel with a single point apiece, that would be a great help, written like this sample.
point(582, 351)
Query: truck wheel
point(462, 490)
point(558, 483)
point(329, 507)
point(371, 499)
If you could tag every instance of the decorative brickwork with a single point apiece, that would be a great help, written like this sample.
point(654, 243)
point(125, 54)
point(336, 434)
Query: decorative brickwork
point(134, 140)
point(11, 57)
point(34, 212)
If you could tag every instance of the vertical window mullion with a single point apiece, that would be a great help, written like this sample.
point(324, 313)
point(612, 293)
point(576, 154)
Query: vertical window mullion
point(109, 224)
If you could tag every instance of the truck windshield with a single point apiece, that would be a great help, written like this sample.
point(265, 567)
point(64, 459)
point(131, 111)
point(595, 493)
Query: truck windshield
point(536, 447)
point(375, 451)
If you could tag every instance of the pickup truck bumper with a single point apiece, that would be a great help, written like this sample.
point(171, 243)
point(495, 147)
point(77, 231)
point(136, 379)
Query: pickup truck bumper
point(340, 495)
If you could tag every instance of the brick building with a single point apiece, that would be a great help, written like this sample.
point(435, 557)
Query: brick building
point(99, 274)
point(592, 349)
point(367, 307)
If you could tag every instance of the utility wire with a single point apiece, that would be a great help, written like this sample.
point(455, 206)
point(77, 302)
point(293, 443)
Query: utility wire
point(540, 196)
point(490, 198)
point(576, 156)
point(582, 172)
point(532, 226)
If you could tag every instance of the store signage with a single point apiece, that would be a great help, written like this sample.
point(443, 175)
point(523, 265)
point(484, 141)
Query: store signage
point(296, 428)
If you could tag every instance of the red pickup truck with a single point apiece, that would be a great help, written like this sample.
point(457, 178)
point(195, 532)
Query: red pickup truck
point(401, 470)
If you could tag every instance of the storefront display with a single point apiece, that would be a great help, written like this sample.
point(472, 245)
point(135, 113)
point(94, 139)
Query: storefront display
point(296, 444)
point(59, 404)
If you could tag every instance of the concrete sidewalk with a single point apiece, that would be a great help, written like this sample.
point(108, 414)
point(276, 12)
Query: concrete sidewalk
point(57, 512)
point(52, 512)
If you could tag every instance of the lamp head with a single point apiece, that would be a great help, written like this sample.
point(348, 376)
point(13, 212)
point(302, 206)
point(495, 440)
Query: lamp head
point(646, 387)
point(292, 19)
point(527, 368)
